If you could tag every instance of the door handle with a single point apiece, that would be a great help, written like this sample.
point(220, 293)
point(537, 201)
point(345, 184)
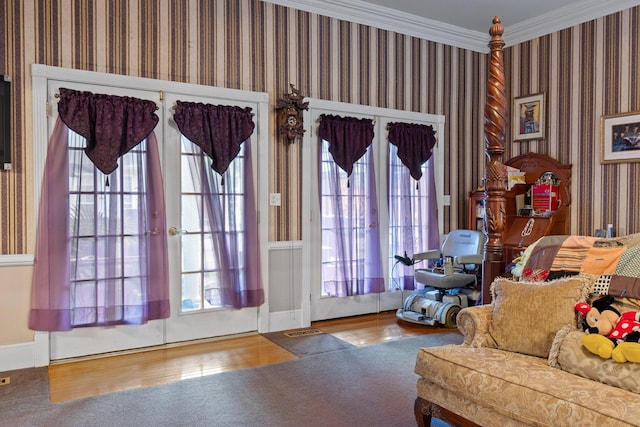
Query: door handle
point(176, 231)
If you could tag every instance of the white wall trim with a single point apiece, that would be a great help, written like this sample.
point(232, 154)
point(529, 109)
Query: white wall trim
point(285, 320)
point(564, 17)
point(26, 355)
point(16, 260)
point(285, 245)
point(385, 18)
point(17, 356)
point(41, 349)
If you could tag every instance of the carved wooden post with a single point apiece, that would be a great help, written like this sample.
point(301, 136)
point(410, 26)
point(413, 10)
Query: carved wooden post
point(496, 172)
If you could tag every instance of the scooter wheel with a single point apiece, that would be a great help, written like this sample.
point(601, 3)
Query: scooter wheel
point(450, 317)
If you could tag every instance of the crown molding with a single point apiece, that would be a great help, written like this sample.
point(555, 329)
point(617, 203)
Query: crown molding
point(565, 17)
point(364, 13)
point(385, 18)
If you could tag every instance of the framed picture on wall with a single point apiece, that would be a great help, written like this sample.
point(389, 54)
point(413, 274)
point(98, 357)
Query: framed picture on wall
point(528, 117)
point(620, 138)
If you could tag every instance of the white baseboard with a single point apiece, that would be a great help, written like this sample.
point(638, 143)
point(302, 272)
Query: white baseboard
point(25, 355)
point(284, 320)
point(17, 356)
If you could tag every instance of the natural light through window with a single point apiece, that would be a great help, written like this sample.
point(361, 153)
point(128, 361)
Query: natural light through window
point(107, 234)
point(205, 196)
point(343, 197)
point(409, 215)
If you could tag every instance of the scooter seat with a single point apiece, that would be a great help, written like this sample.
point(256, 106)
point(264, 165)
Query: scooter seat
point(441, 281)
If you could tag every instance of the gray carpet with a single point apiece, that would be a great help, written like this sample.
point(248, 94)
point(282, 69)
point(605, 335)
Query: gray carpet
point(360, 386)
point(303, 345)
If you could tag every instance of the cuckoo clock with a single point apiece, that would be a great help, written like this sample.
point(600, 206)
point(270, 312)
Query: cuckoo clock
point(290, 108)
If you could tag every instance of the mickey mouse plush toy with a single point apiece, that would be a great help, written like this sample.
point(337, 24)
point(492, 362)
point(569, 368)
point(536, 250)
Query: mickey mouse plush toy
point(609, 334)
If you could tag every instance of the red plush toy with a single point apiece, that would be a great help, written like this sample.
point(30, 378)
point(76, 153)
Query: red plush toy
point(610, 334)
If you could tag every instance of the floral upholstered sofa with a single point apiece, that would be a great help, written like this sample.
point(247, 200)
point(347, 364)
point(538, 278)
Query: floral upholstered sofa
point(522, 363)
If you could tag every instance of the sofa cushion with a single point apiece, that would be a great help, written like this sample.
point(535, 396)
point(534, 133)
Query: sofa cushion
point(520, 387)
point(568, 354)
point(527, 315)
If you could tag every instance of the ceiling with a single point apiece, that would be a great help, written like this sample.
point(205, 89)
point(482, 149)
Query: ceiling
point(464, 23)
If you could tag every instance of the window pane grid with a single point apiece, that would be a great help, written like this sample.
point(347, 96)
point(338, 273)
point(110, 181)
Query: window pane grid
point(409, 210)
point(206, 198)
point(105, 235)
point(346, 199)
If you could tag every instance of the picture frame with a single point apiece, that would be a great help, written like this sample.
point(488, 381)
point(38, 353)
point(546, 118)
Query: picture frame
point(620, 138)
point(528, 119)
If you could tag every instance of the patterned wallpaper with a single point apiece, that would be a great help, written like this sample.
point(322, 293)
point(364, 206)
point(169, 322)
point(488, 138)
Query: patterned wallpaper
point(585, 71)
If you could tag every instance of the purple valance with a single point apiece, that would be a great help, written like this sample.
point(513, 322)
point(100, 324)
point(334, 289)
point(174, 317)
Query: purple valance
point(348, 138)
point(112, 125)
point(415, 144)
point(219, 130)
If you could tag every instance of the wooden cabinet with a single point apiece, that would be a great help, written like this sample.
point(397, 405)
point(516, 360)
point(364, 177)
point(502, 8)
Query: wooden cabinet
point(476, 210)
point(522, 230)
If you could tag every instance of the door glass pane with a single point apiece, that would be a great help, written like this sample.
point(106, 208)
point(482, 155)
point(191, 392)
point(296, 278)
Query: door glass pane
point(191, 285)
point(107, 236)
point(344, 225)
point(209, 202)
point(409, 217)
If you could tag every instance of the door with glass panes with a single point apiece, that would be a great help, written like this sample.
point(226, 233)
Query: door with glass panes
point(321, 255)
point(196, 311)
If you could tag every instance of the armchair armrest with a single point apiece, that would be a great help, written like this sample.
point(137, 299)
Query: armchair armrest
point(469, 259)
point(430, 254)
point(473, 322)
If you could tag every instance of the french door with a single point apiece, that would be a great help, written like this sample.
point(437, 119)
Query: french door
point(318, 247)
point(322, 250)
point(196, 311)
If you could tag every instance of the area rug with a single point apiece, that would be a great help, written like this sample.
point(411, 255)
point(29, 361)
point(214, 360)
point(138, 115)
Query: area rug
point(26, 389)
point(308, 341)
point(360, 386)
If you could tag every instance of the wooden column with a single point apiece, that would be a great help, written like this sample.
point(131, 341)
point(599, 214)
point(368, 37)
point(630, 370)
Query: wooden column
point(496, 172)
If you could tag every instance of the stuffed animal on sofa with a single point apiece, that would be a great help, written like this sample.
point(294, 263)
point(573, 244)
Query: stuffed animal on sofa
point(609, 333)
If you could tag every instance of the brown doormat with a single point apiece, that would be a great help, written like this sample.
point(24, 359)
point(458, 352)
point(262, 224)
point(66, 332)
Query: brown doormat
point(307, 342)
point(303, 332)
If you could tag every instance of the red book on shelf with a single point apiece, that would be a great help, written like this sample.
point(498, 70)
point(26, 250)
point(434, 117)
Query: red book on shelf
point(545, 198)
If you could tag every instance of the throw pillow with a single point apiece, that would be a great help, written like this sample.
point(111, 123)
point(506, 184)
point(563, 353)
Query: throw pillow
point(569, 355)
point(527, 315)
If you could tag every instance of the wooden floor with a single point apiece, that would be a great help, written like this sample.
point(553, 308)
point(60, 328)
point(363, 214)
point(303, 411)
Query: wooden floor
point(84, 378)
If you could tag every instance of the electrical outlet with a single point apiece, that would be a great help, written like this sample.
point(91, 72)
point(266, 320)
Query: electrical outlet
point(275, 199)
point(5, 380)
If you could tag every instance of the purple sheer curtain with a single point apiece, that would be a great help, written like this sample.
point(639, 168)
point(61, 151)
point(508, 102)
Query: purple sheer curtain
point(97, 263)
point(350, 227)
point(413, 213)
point(229, 209)
point(50, 291)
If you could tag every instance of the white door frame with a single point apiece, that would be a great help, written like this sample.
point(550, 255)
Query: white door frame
point(41, 74)
point(311, 271)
